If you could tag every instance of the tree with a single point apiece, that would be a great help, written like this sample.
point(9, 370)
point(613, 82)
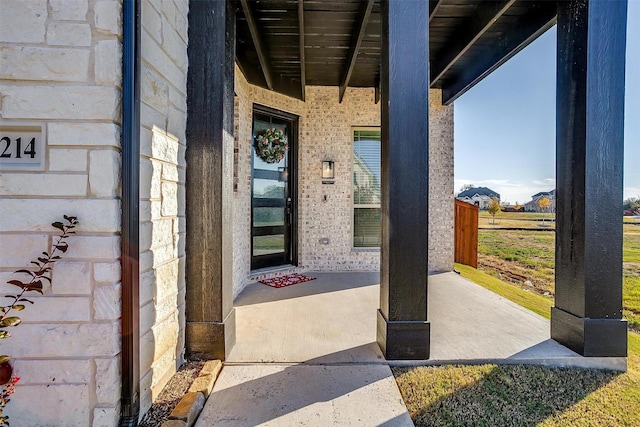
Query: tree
point(466, 187)
point(493, 208)
point(544, 204)
point(517, 207)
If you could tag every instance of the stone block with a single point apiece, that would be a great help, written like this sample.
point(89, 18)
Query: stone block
point(94, 216)
point(165, 334)
point(66, 340)
point(108, 62)
point(71, 278)
point(108, 384)
point(158, 59)
point(23, 21)
point(53, 371)
point(211, 367)
point(174, 423)
point(65, 10)
point(147, 286)
point(104, 134)
point(203, 384)
point(108, 17)
point(106, 417)
point(44, 64)
point(169, 199)
point(68, 34)
point(177, 123)
point(67, 160)
point(172, 43)
point(106, 272)
point(40, 184)
point(107, 302)
point(73, 410)
point(104, 173)
point(152, 118)
point(105, 248)
point(60, 102)
point(164, 367)
point(162, 233)
point(165, 147)
point(19, 249)
point(58, 309)
point(147, 317)
point(189, 408)
point(151, 21)
point(166, 280)
point(170, 172)
point(154, 90)
point(166, 308)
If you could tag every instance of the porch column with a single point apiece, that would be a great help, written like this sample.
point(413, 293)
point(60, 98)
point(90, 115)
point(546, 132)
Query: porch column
point(403, 330)
point(587, 316)
point(210, 317)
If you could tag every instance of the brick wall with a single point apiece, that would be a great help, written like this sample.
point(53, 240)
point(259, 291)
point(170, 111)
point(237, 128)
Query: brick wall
point(326, 132)
point(162, 193)
point(60, 67)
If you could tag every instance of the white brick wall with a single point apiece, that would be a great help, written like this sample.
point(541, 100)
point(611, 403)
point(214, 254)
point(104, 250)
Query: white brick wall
point(162, 180)
point(326, 132)
point(60, 67)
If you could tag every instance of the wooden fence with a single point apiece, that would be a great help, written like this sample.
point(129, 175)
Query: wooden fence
point(466, 234)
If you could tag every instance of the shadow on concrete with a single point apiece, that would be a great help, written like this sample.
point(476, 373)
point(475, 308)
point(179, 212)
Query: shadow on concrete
point(305, 394)
point(508, 396)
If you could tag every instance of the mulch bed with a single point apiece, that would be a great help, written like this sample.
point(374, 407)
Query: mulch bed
point(171, 394)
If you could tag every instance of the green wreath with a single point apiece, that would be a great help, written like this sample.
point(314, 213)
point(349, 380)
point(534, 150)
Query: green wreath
point(271, 145)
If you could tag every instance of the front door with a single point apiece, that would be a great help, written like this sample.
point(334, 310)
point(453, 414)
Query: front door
point(273, 194)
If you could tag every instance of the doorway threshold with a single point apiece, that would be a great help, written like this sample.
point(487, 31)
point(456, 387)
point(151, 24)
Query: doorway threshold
point(272, 272)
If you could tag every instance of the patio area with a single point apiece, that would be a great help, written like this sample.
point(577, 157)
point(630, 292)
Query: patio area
point(332, 320)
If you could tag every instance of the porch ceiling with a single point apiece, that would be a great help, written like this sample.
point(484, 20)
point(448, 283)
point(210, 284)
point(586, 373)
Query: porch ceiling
point(284, 45)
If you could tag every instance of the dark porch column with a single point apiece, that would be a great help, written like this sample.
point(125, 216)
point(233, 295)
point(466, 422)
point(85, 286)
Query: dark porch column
point(403, 330)
point(210, 325)
point(590, 108)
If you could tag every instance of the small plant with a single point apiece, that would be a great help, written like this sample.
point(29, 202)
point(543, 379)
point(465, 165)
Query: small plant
point(17, 302)
point(493, 208)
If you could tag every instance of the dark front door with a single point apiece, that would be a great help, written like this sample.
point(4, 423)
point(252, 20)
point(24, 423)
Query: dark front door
point(273, 195)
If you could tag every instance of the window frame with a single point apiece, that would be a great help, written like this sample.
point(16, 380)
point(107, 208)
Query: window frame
point(355, 248)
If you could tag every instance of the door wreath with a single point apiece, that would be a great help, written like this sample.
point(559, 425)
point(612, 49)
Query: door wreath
point(271, 145)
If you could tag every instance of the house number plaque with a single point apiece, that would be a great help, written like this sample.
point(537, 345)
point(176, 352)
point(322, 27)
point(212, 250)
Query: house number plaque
point(22, 146)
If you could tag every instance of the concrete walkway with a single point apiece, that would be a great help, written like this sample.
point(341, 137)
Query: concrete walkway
point(307, 354)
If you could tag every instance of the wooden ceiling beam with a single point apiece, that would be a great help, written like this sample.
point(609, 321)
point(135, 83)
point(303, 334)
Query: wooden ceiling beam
point(434, 5)
point(355, 47)
point(487, 13)
point(303, 73)
point(255, 36)
point(526, 29)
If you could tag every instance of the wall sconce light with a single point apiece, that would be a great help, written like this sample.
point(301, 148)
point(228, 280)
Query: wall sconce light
point(328, 171)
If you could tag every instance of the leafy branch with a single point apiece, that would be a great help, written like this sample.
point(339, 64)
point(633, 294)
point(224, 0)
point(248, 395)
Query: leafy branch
point(36, 277)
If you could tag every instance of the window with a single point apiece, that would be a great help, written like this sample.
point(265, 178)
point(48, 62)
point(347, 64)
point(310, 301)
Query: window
point(366, 188)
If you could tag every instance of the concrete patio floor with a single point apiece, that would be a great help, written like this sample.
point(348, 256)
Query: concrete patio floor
point(307, 354)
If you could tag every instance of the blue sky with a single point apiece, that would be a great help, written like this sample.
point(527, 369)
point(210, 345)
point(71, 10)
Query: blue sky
point(505, 125)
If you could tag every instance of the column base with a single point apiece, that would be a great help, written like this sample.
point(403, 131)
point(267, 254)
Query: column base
point(403, 340)
point(589, 337)
point(212, 339)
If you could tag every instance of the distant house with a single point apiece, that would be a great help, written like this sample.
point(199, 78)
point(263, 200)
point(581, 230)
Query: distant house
point(479, 196)
point(533, 206)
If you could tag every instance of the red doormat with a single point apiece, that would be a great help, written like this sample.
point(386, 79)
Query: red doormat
point(291, 279)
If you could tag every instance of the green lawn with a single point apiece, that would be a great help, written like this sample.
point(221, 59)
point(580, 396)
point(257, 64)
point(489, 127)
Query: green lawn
point(491, 395)
point(525, 258)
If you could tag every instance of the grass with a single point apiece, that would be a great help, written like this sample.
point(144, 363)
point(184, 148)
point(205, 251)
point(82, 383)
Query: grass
point(525, 258)
point(491, 395)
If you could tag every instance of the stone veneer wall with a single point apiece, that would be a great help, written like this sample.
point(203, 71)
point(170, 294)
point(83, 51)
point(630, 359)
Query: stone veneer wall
point(60, 66)
point(326, 132)
point(162, 193)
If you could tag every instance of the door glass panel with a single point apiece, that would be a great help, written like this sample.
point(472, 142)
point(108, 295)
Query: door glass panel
point(268, 189)
point(268, 217)
point(264, 245)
